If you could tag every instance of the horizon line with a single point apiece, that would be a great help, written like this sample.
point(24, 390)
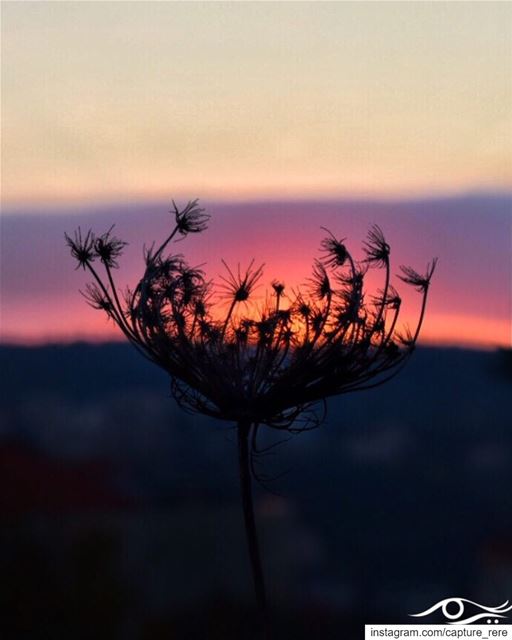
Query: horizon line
point(79, 203)
point(37, 343)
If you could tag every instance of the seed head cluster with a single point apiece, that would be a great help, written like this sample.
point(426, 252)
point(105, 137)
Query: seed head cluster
point(264, 364)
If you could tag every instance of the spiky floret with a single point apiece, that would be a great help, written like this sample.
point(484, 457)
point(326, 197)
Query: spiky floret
point(191, 219)
point(239, 286)
point(81, 247)
point(419, 282)
point(335, 252)
point(376, 248)
point(108, 248)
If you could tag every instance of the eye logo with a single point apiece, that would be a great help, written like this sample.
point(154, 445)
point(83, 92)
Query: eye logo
point(490, 614)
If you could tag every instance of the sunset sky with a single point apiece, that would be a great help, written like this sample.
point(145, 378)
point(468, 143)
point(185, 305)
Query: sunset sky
point(107, 103)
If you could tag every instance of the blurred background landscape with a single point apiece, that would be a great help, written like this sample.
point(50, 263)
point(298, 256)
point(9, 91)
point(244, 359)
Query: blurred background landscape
point(120, 514)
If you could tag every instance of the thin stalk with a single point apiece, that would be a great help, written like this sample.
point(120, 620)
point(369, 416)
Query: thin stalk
point(384, 295)
point(228, 317)
point(162, 247)
point(422, 314)
point(118, 303)
point(243, 431)
point(117, 315)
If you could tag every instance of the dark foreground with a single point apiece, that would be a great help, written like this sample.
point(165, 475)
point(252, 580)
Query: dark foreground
point(120, 514)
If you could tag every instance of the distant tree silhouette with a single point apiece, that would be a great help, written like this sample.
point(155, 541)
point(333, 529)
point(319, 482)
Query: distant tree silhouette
point(271, 365)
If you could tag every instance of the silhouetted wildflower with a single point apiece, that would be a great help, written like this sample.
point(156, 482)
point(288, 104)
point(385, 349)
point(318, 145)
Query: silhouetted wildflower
point(258, 364)
point(376, 247)
point(109, 248)
point(82, 249)
point(240, 286)
point(278, 288)
point(97, 299)
point(191, 219)
point(336, 253)
point(421, 283)
point(320, 283)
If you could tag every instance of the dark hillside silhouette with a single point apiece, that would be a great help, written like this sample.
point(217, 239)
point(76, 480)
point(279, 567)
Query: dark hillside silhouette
point(395, 503)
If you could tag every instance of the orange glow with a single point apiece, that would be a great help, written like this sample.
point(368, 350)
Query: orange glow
point(471, 331)
point(33, 324)
point(41, 303)
point(441, 330)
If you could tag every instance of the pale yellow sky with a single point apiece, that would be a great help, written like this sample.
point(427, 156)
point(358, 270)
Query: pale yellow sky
point(123, 99)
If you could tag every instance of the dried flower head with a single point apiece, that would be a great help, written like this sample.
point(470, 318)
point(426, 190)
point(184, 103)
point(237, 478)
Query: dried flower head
point(96, 298)
point(335, 253)
point(419, 282)
point(108, 248)
point(234, 358)
point(278, 288)
point(376, 248)
point(265, 364)
point(239, 287)
point(191, 219)
point(82, 248)
point(320, 283)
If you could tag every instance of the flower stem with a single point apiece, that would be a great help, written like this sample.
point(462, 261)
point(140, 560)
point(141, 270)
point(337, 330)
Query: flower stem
point(243, 430)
